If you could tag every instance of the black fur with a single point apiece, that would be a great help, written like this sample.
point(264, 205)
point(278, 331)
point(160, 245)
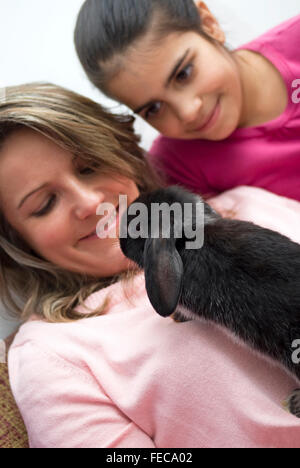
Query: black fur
point(245, 277)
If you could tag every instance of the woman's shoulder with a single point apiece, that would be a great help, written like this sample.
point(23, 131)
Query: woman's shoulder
point(71, 340)
point(37, 341)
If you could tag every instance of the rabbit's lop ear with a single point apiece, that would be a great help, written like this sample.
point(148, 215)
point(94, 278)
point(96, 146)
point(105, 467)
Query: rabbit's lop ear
point(163, 274)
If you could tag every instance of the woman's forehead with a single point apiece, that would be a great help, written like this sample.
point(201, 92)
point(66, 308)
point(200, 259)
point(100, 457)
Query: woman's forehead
point(26, 156)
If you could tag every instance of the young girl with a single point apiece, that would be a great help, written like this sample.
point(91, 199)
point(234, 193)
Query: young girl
point(228, 118)
point(94, 365)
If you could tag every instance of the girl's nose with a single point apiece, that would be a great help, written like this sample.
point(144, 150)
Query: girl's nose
point(87, 202)
point(188, 111)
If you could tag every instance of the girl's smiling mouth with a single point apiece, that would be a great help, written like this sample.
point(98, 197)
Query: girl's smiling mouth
point(212, 118)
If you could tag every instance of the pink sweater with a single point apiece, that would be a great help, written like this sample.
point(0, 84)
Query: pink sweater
point(266, 156)
point(133, 379)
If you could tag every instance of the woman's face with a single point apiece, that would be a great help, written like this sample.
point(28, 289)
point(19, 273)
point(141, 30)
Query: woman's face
point(51, 200)
point(186, 87)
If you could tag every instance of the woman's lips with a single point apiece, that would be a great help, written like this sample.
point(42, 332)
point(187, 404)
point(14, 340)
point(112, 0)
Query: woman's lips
point(212, 119)
point(90, 237)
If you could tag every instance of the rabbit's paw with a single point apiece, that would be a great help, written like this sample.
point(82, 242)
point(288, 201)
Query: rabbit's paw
point(292, 403)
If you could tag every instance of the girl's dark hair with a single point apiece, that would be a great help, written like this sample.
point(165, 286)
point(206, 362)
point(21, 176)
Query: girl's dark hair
point(106, 28)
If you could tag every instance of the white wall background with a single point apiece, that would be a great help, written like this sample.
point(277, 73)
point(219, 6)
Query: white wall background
point(36, 44)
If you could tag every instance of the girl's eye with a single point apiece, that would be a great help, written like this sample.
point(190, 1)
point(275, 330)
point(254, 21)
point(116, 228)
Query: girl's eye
point(46, 208)
point(153, 110)
point(185, 73)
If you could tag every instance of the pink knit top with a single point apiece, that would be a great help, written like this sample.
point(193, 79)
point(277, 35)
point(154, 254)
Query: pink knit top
point(131, 378)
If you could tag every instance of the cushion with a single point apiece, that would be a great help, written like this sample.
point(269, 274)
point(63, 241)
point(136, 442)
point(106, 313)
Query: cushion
point(12, 430)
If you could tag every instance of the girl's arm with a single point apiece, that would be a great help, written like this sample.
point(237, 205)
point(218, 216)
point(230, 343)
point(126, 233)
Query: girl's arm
point(64, 407)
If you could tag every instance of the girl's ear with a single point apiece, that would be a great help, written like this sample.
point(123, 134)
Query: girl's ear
point(210, 24)
point(163, 274)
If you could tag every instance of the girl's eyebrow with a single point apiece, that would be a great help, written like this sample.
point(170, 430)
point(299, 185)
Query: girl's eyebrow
point(168, 81)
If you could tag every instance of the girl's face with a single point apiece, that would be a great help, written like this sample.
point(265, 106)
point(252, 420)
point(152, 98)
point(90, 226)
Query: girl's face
point(51, 200)
point(185, 87)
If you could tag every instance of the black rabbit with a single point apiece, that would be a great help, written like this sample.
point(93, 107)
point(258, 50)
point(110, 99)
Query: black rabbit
point(244, 277)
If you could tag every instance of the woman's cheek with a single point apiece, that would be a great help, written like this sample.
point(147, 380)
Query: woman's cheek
point(49, 236)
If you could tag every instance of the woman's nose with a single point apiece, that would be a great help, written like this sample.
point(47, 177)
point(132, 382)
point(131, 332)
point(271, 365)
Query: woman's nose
point(87, 202)
point(188, 111)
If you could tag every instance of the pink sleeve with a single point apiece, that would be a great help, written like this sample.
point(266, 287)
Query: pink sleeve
point(64, 407)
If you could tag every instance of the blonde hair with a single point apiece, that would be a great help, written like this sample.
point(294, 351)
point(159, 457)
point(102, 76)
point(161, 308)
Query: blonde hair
point(28, 283)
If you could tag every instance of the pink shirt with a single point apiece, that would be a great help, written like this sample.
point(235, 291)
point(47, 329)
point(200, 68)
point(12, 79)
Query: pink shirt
point(267, 156)
point(133, 379)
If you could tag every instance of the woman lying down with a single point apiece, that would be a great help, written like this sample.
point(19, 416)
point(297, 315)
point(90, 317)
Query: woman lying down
point(94, 365)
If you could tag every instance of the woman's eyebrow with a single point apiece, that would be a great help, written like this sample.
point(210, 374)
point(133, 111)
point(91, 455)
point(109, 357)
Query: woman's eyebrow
point(31, 193)
point(168, 80)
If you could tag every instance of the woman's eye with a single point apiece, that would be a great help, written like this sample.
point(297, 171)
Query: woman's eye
point(185, 73)
point(46, 208)
point(86, 170)
point(83, 167)
point(153, 110)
